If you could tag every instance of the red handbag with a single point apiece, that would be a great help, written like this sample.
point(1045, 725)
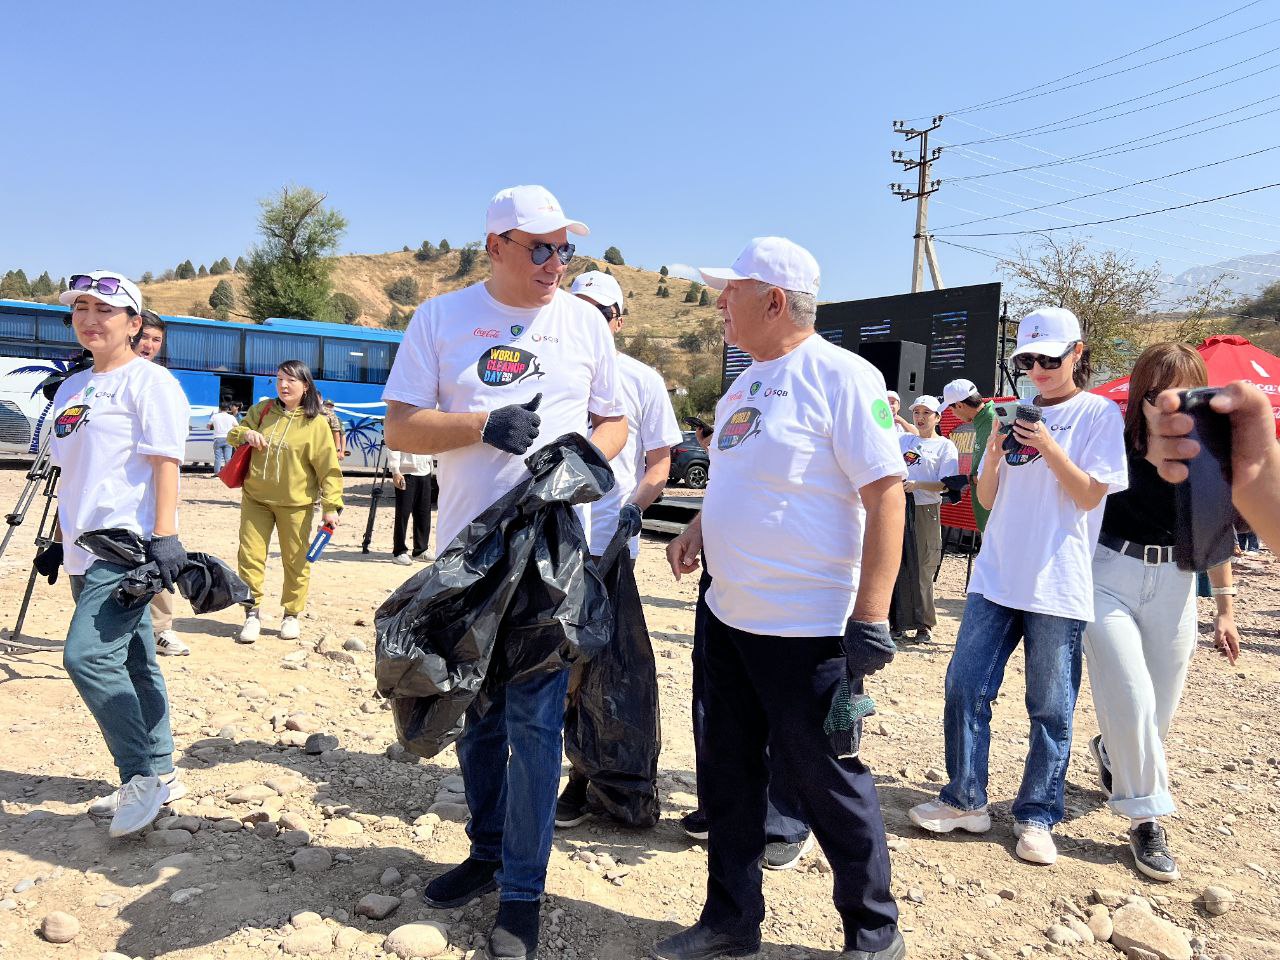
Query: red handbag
point(235, 469)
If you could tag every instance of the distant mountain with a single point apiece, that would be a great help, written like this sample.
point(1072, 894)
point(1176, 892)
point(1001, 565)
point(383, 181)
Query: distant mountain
point(1250, 274)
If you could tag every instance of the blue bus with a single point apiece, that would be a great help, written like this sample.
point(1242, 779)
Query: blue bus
point(215, 361)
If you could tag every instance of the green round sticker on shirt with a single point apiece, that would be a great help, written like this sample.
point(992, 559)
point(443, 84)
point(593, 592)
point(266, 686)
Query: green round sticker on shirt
point(884, 416)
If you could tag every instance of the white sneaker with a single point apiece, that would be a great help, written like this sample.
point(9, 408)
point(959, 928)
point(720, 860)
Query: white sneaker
point(937, 817)
point(108, 805)
point(426, 556)
point(140, 801)
point(168, 644)
point(402, 559)
point(290, 628)
point(252, 628)
point(1035, 844)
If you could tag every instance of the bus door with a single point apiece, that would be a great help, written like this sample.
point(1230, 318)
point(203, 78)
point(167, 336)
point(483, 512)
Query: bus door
point(236, 390)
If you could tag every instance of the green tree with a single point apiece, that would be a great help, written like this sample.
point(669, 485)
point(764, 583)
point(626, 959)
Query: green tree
point(614, 255)
point(222, 299)
point(444, 247)
point(467, 258)
point(691, 295)
point(403, 290)
point(345, 307)
point(219, 267)
point(185, 271)
point(426, 253)
point(15, 285)
point(689, 341)
point(589, 266)
point(241, 265)
point(42, 286)
point(288, 272)
point(1266, 305)
point(663, 270)
point(704, 298)
point(663, 291)
point(147, 278)
point(62, 285)
point(203, 271)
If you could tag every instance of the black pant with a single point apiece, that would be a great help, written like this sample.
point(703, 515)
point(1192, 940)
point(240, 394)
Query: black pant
point(413, 501)
point(774, 692)
point(783, 820)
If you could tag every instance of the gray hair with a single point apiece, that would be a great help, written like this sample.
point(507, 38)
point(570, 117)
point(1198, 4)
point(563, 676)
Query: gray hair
point(803, 307)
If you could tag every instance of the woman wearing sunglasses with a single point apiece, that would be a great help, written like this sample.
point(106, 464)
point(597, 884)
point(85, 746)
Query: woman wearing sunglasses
point(119, 435)
point(1032, 584)
point(1140, 642)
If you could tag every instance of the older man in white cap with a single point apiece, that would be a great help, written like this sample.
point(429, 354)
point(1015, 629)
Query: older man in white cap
point(484, 375)
point(802, 527)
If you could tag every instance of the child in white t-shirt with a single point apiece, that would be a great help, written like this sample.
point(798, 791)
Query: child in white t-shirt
point(1032, 583)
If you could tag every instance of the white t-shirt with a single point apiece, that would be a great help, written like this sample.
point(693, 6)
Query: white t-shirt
point(409, 464)
point(928, 461)
point(651, 424)
point(221, 424)
point(466, 352)
point(105, 427)
point(782, 522)
point(1037, 550)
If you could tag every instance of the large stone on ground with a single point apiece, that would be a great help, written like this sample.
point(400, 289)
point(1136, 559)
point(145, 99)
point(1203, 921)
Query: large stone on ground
point(424, 939)
point(253, 793)
point(311, 860)
point(1137, 928)
point(309, 941)
point(59, 927)
point(446, 810)
point(320, 742)
point(377, 906)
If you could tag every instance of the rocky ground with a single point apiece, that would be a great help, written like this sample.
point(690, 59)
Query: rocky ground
point(307, 832)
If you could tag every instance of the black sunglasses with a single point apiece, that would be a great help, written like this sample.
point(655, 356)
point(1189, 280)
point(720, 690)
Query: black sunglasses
point(540, 253)
point(1025, 361)
point(608, 309)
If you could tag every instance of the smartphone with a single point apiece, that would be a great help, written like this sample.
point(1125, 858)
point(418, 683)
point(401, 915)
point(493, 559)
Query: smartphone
point(1204, 515)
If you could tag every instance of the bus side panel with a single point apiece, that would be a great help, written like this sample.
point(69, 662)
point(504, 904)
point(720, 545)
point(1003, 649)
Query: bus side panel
point(202, 394)
point(361, 409)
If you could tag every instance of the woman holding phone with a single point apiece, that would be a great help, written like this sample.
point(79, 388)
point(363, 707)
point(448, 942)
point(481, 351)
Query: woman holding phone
point(1032, 584)
point(1140, 642)
point(119, 435)
point(294, 463)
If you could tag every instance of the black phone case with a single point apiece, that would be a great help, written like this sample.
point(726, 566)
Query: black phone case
point(1205, 535)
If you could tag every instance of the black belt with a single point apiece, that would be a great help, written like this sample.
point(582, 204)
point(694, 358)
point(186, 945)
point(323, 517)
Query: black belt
point(1150, 555)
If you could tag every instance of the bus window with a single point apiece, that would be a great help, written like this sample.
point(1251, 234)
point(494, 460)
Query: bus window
point(17, 327)
point(191, 347)
point(53, 330)
point(264, 352)
point(344, 359)
point(377, 362)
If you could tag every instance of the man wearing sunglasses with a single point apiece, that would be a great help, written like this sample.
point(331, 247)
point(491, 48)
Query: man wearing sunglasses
point(485, 375)
point(967, 404)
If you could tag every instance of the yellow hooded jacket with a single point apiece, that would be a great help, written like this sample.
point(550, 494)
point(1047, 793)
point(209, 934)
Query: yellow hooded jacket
point(299, 463)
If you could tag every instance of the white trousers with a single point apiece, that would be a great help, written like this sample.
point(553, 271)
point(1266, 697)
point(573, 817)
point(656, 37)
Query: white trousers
point(1138, 649)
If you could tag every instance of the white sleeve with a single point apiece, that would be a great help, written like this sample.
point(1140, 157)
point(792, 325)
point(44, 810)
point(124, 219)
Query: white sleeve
point(164, 417)
point(862, 433)
point(1103, 457)
point(415, 374)
point(949, 462)
point(393, 460)
point(658, 426)
point(603, 399)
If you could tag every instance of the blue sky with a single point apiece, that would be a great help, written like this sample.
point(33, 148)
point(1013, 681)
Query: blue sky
point(676, 130)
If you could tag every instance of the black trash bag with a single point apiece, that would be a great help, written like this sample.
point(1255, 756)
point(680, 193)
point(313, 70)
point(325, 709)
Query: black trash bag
point(520, 571)
point(208, 583)
point(612, 732)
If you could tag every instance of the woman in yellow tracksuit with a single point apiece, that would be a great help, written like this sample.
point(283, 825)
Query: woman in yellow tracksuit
point(294, 463)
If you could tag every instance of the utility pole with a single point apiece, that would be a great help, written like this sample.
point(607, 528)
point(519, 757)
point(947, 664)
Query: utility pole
point(924, 186)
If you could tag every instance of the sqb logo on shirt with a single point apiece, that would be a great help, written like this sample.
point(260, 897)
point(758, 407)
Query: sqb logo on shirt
point(502, 366)
point(742, 426)
point(70, 420)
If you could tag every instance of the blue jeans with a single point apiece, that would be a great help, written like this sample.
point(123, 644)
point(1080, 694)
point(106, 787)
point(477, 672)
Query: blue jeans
point(221, 454)
point(110, 655)
point(510, 759)
point(989, 633)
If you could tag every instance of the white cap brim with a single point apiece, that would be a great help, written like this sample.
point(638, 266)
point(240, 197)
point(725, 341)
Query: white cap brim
point(545, 225)
point(121, 299)
point(1046, 348)
point(717, 278)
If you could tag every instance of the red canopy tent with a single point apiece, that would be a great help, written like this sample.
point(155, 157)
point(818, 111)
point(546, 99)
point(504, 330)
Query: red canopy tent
point(1228, 358)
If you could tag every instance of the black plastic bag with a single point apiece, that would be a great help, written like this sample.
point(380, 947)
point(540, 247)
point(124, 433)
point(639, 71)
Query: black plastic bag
point(612, 732)
point(208, 583)
point(513, 596)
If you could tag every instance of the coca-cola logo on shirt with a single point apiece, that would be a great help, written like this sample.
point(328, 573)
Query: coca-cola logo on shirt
point(744, 424)
point(490, 334)
point(503, 366)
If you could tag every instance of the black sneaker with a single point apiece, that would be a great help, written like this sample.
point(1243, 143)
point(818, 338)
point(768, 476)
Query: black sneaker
point(702, 943)
point(468, 880)
point(1100, 760)
point(695, 825)
point(1151, 852)
point(784, 856)
point(515, 932)
point(571, 808)
point(896, 950)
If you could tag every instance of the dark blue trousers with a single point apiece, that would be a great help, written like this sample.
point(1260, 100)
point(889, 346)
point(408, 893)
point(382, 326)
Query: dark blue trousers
point(783, 821)
point(766, 700)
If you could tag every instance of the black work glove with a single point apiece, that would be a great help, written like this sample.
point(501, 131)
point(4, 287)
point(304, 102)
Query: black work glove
point(513, 429)
point(868, 647)
point(48, 561)
point(169, 556)
point(629, 519)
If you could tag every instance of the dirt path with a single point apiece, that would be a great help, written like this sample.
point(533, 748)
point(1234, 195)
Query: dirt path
point(230, 888)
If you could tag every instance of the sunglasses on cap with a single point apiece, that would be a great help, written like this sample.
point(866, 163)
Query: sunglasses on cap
point(540, 253)
point(1025, 361)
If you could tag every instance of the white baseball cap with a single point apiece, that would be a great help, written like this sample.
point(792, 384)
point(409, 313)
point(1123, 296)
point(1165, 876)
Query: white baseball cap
point(1048, 331)
point(772, 260)
point(599, 288)
point(532, 209)
point(127, 293)
point(932, 404)
point(893, 394)
point(958, 390)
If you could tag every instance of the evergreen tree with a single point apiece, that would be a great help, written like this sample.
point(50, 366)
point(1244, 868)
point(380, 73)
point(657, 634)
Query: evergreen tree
point(288, 272)
point(42, 286)
point(62, 285)
point(426, 252)
point(467, 258)
point(705, 298)
point(222, 299)
point(614, 255)
point(203, 271)
point(15, 285)
point(241, 265)
point(219, 267)
point(444, 246)
point(185, 271)
point(691, 295)
point(663, 270)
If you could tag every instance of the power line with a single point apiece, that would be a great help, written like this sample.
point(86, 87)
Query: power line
point(1113, 151)
point(1050, 127)
point(1018, 95)
point(1131, 216)
point(1136, 183)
